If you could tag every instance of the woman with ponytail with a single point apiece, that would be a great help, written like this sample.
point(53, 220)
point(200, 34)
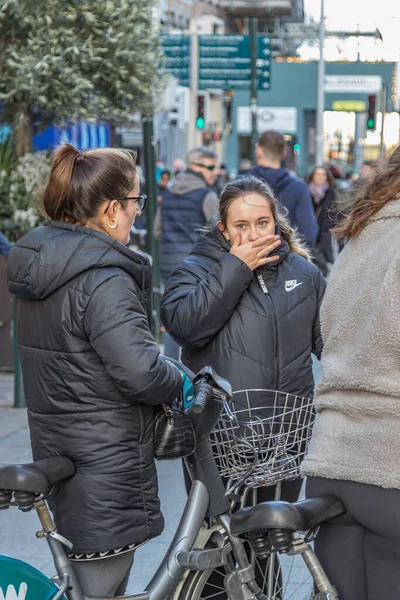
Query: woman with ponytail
point(355, 448)
point(91, 367)
point(246, 300)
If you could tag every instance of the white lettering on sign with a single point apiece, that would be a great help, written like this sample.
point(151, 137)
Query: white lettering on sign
point(367, 84)
point(11, 593)
point(283, 119)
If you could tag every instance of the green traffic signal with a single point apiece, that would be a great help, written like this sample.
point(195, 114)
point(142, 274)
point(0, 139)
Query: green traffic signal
point(371, 123)
point(296, 147)
point(200, 123)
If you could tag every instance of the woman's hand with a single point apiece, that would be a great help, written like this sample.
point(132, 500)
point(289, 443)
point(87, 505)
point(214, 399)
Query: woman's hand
point(255, 254)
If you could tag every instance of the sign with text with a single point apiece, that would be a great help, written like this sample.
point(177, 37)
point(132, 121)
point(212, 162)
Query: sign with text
point(350, 84)
point(225, 62)
point(349, 105)
point(176, 48)
point(280, 119)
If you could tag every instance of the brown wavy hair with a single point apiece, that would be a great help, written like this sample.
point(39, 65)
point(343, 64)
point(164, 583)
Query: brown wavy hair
point(246, 185)
point(371, 198)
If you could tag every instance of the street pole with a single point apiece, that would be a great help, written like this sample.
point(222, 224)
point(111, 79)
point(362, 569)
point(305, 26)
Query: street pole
point(19, 396)
point(194, 85)
point(320, 91)
point(253, 87)
point(151, 207)
point(383, 112)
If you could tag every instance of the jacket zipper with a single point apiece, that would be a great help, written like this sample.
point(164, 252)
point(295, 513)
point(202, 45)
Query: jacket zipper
point(264, 288)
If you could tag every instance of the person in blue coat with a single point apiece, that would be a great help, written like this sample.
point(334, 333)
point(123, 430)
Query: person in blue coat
point(5, 245)
point(292, 193)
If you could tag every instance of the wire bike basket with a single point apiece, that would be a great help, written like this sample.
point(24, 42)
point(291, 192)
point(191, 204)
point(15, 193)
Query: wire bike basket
point(262, 437)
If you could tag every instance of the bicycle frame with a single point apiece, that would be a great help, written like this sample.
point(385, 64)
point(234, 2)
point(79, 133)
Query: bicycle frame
point(206, 499)
point(170, 570)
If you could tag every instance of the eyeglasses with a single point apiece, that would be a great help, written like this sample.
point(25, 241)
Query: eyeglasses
point(140, 201)
point(208, 167)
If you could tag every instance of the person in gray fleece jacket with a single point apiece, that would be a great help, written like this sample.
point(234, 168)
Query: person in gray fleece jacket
point(355, 448)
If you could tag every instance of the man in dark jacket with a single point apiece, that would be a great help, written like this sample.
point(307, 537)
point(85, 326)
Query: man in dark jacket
point(292, 193)
point(188, 205)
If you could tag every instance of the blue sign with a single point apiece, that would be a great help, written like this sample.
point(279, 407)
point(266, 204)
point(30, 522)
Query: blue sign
point(83, 135)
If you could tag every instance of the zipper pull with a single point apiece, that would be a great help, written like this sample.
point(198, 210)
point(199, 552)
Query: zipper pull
point(262, 283)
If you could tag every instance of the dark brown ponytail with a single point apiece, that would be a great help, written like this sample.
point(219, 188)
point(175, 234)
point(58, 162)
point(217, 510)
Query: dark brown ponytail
point(80, 182)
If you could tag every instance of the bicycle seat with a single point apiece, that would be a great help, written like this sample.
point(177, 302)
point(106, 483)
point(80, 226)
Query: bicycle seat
point(37, 477)
point(300, 516)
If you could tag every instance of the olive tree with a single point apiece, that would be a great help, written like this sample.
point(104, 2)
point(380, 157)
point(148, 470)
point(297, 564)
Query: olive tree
point(78, 59)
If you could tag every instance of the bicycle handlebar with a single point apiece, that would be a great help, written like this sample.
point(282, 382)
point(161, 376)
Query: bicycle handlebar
point(202, 393)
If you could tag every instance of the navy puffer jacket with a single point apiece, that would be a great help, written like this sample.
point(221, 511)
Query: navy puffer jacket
point(258, 329)
point(92, 373)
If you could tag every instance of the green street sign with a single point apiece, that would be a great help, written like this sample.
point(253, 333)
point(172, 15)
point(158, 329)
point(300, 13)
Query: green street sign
point(176, 48)
point(225, 62)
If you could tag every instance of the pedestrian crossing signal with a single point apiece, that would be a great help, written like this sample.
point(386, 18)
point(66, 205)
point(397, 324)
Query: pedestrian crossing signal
point(200, 119)
point(371, 115)
point(200, 123)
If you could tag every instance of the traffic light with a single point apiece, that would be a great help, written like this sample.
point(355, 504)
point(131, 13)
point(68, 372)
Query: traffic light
point(200, 119)
point(371, 115)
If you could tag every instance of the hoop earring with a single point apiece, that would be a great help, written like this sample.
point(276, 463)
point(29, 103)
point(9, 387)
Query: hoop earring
point(113, 226)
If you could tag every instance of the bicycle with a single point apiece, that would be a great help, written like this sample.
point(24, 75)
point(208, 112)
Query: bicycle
point(198, 548)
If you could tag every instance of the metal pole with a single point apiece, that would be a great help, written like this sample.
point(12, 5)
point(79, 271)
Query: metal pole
point(253, 87)
point(151, 207)
point(383, 112)
point(194, 84)
point(320, 91)
point(19, 396)
point(358, 135)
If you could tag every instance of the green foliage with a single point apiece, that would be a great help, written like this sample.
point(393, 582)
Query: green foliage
point(21, 182)
point(82, 59)
point(8, 160)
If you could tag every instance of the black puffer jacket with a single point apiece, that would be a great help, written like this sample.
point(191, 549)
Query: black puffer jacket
point(215, 308)
point(92, 373)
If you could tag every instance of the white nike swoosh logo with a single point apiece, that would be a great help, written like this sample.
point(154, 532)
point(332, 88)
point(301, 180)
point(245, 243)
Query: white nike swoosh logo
point(289, 288)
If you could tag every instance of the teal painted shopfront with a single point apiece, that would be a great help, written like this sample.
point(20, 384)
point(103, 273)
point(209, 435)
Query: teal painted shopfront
point(290, 104)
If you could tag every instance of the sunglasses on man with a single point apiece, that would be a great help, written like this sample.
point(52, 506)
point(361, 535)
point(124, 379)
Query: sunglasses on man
point(140, 201)
point(208, 167)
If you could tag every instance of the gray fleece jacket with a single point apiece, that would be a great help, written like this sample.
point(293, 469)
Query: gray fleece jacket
point(357, 433)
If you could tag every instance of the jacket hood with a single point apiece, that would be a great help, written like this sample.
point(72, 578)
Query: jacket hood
point(276, 178)
point(187, 181)
point(212, 243)
point(48, 257)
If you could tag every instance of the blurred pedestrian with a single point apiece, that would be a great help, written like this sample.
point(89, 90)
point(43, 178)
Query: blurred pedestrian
point(178, 165)
point(187, 205)
point(160, 167)
point(355, 448)
point(222, 178)
point(292, 193)
point(91, 367)
point(245, 166)
point(369, 170)
point(324, 196)
point(164, 184)
point(5, 245)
